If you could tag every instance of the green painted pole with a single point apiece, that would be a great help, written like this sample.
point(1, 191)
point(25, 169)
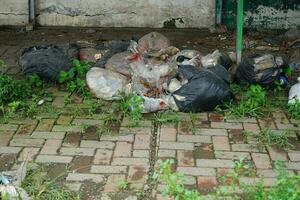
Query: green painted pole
point(239, 38)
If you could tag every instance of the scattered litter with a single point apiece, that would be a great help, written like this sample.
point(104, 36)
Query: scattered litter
point(10, 183)
point(41, 102)
point(153, 42)
point(47, 61)
point(119, 63)
point(217, 57)
point(263, 69)
point(89, 54)
point(106, 84)
point(294, 93)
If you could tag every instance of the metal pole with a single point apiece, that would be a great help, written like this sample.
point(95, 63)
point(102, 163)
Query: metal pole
point(239, 38)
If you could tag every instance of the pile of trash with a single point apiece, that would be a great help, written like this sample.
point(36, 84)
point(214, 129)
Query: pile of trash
point(164, 76)
point(10, 184)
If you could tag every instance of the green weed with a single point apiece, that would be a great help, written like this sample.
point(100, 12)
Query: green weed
point(251, 104)
point(294, 110)
point(131, 106)
point(268, 138)
point(123, 184)
point(40, 187)
point(75, 78)
point(166, 117)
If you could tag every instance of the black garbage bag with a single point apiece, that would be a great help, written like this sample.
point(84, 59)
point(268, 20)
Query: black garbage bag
point(203, 90)
point(262, 69)
point(221, 72)
point(112, 48)
point(47, 61)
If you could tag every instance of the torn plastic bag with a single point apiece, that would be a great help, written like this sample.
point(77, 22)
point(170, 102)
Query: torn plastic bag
point(260, 69)
point(153, 42)
point(109, 49)
point(119, 63)
point(154, 104)
point(203, 91)
point(48, 60)
point(106, 84)
point(89, 55)
point(189, 57)
point(217, 57)
point(148, 78)
point(294, 93)
point(165, 53)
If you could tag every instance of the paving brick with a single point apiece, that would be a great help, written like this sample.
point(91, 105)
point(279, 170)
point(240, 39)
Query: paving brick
point(123, 149)
point(77, 151)
point(267, 173)
point(232, 155)
point(176, 145)
point(206, 184)
point(91, 133)
point(280, 118)
point(294, 156)
point(162, 197)
point(103, 157)
point(107, 169)
point(85, 177)
point(142, 142)
point(287, 127)
point(135, 130)
point(221, 143)
point(127, 122)
point(185, 158)
point(268, 182)
point(8, 127)
point(267, 123)
point(91, 122)
point(97, 144)
point(74, 187)
point(24, 142)
point(261, 161)
point(245, 147)
point(243, 119)
point(58, 102)
point(277, 154)
point(226, 125)
point(81, 164)
point(53, 159)
point(166, 153)
point(45, 125)
point(137, 174)
point(197, 171)
point(123, 138)
point(194, 138)
point(168, 134)
point(48, 135)
point(67, 128)
point(130, 161)
point(10, 150)
point(64, 120)
point(51, 147)
point(211, 132)
point(215, 163)
point(190, 180)
point(236, 136)
point(141, 153)
point(25, 130)
point(5, 137)
point(112, 184)
point(28, 154)
point(72, 139)
point(251, 127)
point(293, 165)
point(215, 117)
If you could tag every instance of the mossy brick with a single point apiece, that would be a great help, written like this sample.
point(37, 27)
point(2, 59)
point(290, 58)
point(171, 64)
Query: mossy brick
point(67, 128)
point(45, 125)
point(48, 135)
point(91, 122)
point(64, 120)
point(8, 127)
point(85, 177)
point(10, 150)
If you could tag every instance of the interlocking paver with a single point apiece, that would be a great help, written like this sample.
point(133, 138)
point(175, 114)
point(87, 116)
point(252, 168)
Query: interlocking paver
point(64, 120)
point(103, 157)
point(53, 159)
point(84, 177)
point(123, 149)
point(130, 161)
point(232, 155)
point(28, 154)
point(294, 156)
point(72, 139)
point(25, 130)
point(227, 125)
point(8, 127)
point(211, 132)
point(123, 138)
point(215, 163)
point(206, 183)
point(25, 142)
point(142, 142)
point(10, 150)
point(177, 145)
point(166, 153)
point(185, 158)
point(51, 146)
point(261, 161)
point(141, 153)
point(92, 122)
point(112, 184)
point(5, 137)
point(106, 169)
point(197, 171)
point(277, 154)
point(77, 151)
point(194, 138)
point(97, 144)
point(168, 134)
point(48, 135)
point(45, 125)
point(221, 143)
point(67, 128)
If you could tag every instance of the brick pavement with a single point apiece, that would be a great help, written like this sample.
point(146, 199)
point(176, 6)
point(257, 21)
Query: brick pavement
point(105, 160)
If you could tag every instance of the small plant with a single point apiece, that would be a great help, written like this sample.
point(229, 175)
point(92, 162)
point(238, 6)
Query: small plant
point(40, 187)
point(167, 117)
point(267, 137)
point(74, 78)
point(131, 106)
point(192, 122)
point(174, 182)
point(294, 110)
point(123, 184)
point(2, 66)
point(35, 81)
point(243, 167)
point(251, 104)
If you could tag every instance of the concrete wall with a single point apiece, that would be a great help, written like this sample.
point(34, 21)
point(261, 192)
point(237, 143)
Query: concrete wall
point(13, 12)
point(113, 13)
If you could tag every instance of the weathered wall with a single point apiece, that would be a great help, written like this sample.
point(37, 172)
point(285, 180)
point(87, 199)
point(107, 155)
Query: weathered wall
point(273, 14)
point(13, 12)
point(116, 13)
